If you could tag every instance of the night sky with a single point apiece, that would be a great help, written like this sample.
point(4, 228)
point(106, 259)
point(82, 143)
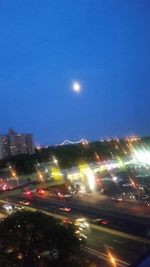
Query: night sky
point(102, 44)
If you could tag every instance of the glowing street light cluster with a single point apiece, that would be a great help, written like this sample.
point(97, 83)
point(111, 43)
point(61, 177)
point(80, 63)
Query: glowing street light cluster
point(142, 156)
point(91, 179)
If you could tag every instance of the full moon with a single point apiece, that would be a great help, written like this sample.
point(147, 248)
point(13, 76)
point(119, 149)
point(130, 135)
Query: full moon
point(76, 87)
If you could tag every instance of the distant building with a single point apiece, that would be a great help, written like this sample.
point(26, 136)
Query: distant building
point(13, 144)
point(4, 146)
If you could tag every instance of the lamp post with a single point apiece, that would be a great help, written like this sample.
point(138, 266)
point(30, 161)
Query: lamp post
point(55, 160)
point(112, 259)
point(13, 172)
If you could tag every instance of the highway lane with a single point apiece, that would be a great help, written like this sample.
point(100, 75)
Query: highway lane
point(133, 208)
point(104, 204)
point(101, 202)
point(54, 207)
point(117, 221)
point(95, 200)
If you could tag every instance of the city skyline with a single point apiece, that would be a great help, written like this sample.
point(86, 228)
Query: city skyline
point(14, 143)
point(102, 47)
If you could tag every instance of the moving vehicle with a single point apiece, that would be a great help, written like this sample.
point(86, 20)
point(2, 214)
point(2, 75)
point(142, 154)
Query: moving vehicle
point(24, 202)
point(19, 207)
point(40, 191)
point(7, 207)
point(65, 209)
point(81, 236)
point(117, 199)
point(82, 223)
point(101, 221)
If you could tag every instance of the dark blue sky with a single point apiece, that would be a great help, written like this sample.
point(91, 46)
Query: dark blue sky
point(103, 44)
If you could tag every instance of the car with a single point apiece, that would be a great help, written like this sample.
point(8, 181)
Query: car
point(64, 196)
point(19, 207)
point(81, 236)
point(40, 191)
point(27, 193)
point(7, 207)
point(67, 195)
point(24, 202)
point(82, 223)
point(65, 209)
point(117, 199)
point(60, 195)
point(101, 221)
point(65, 221)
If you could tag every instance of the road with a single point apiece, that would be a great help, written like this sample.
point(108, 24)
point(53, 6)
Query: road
point(102, 239)
point(90, 209)
point(105, 203)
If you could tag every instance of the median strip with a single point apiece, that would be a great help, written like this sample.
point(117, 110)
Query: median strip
point(121, 234)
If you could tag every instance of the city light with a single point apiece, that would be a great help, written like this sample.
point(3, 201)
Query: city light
point(13, 173)
point(91, 179)
point(97, 156)
point(112, 259)
point(142, 156)
point(55, 160)
point(85, 143)
point(40, 176)
point(114, 178)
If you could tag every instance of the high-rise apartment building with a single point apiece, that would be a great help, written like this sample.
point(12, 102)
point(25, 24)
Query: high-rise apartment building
point(4, 146)
point(13, 144)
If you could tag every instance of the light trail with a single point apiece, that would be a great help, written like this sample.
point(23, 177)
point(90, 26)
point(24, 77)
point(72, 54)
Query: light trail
point(103, 256)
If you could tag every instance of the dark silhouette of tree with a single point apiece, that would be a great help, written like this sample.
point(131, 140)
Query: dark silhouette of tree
point(34, 239)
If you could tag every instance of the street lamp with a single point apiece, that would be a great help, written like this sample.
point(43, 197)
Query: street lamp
point(112, 259)
point(40, 175)
point(55, 160)
point(13, 173)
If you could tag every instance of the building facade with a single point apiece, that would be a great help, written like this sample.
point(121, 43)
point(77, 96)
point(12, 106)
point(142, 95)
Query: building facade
point(13, 144)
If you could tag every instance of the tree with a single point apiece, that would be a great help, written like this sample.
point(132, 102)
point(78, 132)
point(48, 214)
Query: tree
point(33, 239)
